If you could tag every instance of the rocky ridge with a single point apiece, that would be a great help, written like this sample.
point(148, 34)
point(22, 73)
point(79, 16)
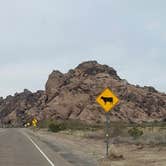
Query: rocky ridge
point(72, 96)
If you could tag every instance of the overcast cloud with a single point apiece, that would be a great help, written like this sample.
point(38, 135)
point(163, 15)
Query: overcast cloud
point(37, 36)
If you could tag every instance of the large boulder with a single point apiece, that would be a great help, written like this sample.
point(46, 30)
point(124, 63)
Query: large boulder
point(73, 96)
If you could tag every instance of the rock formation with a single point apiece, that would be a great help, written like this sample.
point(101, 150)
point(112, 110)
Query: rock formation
point(16, 110)
point(73, 96)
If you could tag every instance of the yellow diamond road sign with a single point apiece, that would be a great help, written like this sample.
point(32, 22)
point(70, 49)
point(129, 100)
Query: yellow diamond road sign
point(34, 122)
point(107, 100)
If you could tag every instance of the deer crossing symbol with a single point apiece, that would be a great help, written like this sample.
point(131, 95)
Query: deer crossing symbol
point(107, 99)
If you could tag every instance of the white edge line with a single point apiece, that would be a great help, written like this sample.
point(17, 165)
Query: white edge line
point(45, 156)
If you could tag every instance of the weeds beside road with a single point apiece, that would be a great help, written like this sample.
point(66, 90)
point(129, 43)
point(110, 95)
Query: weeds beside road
point(146, 149)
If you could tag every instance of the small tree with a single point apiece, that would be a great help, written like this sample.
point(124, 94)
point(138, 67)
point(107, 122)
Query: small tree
point(56, 127)
point(135, 132)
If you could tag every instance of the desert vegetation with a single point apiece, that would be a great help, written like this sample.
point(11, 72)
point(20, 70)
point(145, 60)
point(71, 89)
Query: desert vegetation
point(73, 125)
point(146, 133)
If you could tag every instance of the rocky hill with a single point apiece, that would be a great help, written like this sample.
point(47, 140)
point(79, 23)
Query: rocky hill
point(17, 109)
point(73, 96)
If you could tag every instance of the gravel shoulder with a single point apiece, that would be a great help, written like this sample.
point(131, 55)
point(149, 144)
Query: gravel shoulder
point(81, 151)
point(71, 150)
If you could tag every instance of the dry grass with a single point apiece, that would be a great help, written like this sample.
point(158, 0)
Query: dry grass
point(120, 154)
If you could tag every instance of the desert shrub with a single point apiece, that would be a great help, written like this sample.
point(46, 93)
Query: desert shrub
point(56, 127)
point(59, 125)
point(135, 132)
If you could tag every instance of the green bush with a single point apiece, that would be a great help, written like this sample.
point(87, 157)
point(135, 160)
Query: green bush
point(56, 127)
point(135, 132)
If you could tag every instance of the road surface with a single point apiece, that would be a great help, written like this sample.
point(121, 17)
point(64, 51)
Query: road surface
point(18, 148)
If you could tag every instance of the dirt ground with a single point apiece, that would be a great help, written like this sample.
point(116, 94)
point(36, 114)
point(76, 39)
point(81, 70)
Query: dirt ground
point(133, 155)
point(139, 156)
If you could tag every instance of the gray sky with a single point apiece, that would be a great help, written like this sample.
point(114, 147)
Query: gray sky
point(37, 36)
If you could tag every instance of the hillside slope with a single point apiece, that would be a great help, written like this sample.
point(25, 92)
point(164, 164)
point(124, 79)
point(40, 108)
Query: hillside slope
point(72, 96)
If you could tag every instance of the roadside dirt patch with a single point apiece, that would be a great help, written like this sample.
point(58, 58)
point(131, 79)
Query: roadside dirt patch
point(122, 155)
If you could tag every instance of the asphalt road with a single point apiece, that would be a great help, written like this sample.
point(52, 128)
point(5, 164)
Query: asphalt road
point(20, 149)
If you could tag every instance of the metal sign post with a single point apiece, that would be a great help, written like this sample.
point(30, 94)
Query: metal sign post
point(107, 133)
